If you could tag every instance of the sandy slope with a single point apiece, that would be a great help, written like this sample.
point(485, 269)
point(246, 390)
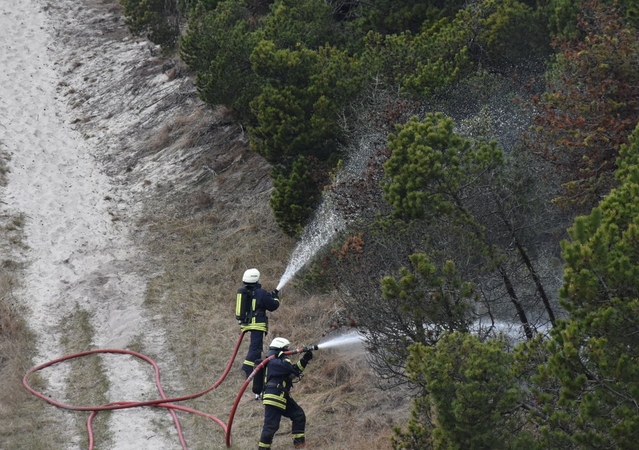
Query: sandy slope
point(80, 248)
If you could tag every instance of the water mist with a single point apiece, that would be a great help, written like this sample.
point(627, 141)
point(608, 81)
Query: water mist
point(324, 225)
point(349, 339)
point(327, 221)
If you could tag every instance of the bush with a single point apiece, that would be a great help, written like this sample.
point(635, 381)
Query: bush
point(157, 20)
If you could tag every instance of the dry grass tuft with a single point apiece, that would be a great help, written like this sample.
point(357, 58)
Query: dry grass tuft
point(90, 383)
point(161, 139)
point(4, 169)
point(191, 130)
point(201, 201)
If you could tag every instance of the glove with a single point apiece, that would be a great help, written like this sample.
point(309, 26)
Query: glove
point(307, 356)
point(275, 293)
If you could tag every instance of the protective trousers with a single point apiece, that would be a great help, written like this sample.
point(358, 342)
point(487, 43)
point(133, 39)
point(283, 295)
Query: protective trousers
point(272, 417)
point(255, 350)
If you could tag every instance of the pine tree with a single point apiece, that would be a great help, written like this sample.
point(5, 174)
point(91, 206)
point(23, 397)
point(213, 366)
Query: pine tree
point(595, 354)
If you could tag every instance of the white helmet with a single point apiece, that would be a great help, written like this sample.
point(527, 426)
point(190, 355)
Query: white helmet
point(279, 343)
point(251, 276)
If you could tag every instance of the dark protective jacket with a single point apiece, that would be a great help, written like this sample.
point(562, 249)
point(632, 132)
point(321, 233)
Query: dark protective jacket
point(278, 378)
point(262, 301)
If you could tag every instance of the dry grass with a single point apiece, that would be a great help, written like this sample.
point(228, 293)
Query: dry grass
point(201, 254)
point(90, 382)
point(25, 421)
point(4, 169)
point(198, 255)
point(198, 246)
point(184, 131)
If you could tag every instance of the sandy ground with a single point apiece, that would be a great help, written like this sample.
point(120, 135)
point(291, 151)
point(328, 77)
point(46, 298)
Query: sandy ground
point(80, 249)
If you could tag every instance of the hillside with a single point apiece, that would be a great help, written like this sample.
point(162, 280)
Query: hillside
point(183, 210)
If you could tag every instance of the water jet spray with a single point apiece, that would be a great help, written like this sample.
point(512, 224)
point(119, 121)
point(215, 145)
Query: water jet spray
point(324, 225)
point(349, 338)
point(328, 220)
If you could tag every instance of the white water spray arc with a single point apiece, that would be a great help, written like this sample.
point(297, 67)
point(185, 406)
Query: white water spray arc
point(348, 339)
point(325, 224)
point(327, 221)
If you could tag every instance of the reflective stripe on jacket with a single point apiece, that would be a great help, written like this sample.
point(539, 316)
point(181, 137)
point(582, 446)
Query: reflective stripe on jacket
point(279, 375)
point(262, 301)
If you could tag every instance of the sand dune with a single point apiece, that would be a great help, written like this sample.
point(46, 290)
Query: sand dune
point(78, 253)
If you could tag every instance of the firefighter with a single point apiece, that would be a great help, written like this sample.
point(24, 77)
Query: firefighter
point(278, 379)
point(257, 325)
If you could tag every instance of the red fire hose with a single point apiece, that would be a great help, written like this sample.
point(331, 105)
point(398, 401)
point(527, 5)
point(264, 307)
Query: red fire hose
point(163, 402)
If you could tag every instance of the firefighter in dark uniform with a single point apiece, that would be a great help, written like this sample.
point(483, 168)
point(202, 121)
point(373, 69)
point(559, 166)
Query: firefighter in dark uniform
point(279, 375)
point(257, 326)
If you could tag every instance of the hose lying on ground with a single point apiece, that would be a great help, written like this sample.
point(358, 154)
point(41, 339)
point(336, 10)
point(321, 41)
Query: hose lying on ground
point(163, 402)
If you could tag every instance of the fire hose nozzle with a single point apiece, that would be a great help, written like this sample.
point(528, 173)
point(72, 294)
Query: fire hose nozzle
point(296, 351)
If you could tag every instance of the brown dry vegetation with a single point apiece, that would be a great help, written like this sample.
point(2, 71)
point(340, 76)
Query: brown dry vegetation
point(201, 252)
point(198, 236)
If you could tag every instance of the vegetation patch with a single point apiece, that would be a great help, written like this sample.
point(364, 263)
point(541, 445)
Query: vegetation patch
point(25, 421)
point(88, 380)
point(202, 257)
